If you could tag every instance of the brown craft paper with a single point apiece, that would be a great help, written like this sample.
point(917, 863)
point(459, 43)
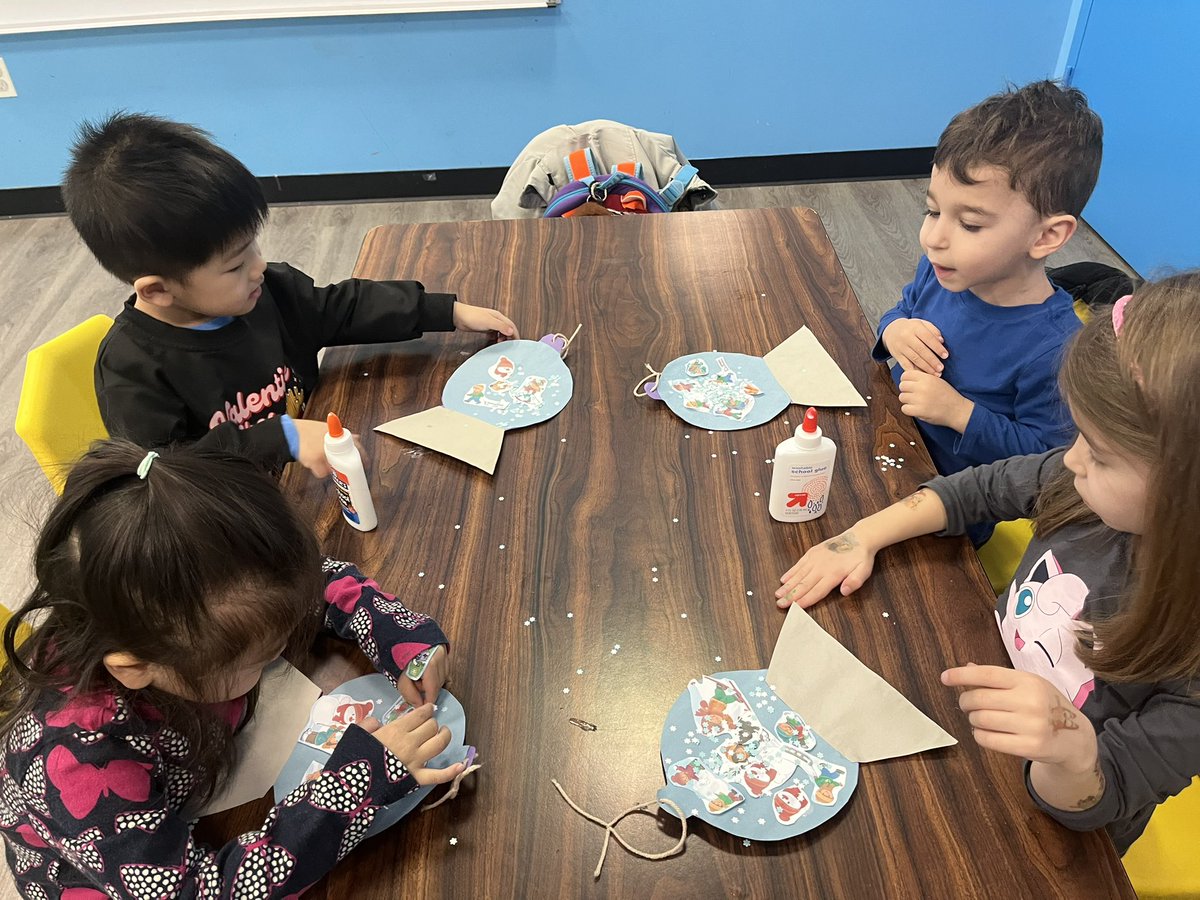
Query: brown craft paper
point(284, 701)
point(452, 433)
point(846, 703)
point(809, 374)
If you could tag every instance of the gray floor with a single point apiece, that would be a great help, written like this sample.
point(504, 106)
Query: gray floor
point(49, 282)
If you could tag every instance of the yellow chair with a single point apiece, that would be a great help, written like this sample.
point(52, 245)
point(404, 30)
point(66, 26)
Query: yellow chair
point(58, 416)
point(1162, 863)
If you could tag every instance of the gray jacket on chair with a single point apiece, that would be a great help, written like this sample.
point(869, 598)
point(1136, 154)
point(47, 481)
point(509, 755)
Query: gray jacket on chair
point(539, 171)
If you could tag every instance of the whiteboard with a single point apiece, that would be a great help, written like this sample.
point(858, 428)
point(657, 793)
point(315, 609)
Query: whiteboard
point(21, 16)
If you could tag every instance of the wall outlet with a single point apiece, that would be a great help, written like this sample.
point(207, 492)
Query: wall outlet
point(7, 89)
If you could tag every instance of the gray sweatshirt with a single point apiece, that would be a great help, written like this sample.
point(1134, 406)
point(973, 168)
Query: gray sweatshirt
point(1149, 734)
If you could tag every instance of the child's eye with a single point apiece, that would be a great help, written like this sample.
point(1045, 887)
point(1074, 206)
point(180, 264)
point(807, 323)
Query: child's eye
point(971, 228)
point(931, 213)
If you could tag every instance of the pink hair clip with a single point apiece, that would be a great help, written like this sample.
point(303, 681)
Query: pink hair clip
point(1118, 313)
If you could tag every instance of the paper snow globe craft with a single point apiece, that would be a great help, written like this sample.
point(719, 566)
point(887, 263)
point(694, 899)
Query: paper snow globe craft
point(736, 756)
point(729, 391)
point(509, 385)
point(332, 714)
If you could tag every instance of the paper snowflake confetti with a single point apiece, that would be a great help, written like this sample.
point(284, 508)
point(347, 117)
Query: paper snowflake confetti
point(566, 690)
point(453, 842)
point(745, 842)
point(501, 499)
point(570, 615)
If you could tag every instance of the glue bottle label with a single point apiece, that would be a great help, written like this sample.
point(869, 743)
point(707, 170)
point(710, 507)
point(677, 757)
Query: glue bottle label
point(342, 484)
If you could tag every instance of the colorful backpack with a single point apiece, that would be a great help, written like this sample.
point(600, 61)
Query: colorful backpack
point(621, 191)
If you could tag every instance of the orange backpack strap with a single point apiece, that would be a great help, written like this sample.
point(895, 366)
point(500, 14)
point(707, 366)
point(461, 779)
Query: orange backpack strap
point(629, 168)
point(579, 164)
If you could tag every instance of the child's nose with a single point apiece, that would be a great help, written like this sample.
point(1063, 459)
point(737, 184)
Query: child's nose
point(934, 233)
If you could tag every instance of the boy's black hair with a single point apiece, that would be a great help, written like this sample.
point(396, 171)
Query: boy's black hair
point(154, 197)
point(1044, 135)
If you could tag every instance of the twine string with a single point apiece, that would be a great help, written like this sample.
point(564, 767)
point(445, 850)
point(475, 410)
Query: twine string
point(652, 376)
point(610, 828)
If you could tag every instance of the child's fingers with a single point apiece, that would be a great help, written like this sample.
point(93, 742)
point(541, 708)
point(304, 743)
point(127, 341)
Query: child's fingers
point(927, 358)
point(929, 335)
point(506, 326)
point(856, 579)
point(998, 721)
point(1012, 744)
point(434, 745)
point(987, 698)
point(409, 691)
point(370, 724)
point(971, 675)
point(426, 777)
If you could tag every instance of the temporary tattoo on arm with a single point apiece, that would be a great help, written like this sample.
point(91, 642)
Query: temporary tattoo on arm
point(912, 501)
point(843, 543)
point(1092, 799)
point(1063, 716)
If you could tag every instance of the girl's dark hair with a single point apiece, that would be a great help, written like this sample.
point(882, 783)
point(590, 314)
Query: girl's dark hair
point(201, 565)
point(154, 197)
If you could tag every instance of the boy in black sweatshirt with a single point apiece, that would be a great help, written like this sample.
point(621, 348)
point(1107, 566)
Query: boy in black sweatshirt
point(216, 345)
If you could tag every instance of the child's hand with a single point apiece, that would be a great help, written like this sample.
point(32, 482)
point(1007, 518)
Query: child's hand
point(843, 560)
point(312, 447)
point(1024, 715)
point(415, 739)
point(426, 688)
point(480, 318)
point(933, 400)
point(916, 344)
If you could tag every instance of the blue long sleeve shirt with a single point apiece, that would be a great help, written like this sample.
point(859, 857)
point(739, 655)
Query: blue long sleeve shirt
point(1004, 359)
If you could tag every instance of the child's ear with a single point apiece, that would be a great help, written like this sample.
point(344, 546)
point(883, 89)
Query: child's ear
point(155, 290)
point(128, 669)
point(1056, 231)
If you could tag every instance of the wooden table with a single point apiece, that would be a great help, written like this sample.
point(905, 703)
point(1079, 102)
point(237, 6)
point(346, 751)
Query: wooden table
point(569, 532)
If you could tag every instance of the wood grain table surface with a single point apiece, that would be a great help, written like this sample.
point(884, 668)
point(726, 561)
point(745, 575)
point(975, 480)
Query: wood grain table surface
point(569, 532)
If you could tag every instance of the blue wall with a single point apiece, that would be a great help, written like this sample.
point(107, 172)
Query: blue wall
point(1137, 63)
point(361, 94)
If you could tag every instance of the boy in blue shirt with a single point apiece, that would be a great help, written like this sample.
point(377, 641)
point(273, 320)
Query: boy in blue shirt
point(217, 346)
point(978, 335)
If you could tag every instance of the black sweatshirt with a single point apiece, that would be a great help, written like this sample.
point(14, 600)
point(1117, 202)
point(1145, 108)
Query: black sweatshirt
point(159, 383)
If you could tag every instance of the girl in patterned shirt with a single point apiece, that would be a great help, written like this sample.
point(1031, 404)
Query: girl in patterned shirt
point(165, 585)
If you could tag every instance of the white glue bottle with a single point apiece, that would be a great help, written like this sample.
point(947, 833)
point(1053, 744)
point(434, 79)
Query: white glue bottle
point(803, 468)
point(349, 476)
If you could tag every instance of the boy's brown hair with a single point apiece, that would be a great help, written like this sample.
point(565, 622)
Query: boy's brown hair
point(1043, 135)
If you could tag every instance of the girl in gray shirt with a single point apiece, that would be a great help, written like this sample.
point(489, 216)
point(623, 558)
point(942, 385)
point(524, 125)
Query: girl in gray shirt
point(1101, 622)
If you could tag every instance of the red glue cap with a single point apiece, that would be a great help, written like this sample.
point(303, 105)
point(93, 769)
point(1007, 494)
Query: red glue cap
point(334, 424)
point(810, 421)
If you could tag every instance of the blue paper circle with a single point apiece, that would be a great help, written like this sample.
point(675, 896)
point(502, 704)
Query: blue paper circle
point(375, 687)
point(686, 740)
point(703, 379)
point(522, 399)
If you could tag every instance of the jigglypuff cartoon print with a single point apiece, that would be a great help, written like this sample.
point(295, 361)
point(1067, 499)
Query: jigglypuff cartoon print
point(1040, 624)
